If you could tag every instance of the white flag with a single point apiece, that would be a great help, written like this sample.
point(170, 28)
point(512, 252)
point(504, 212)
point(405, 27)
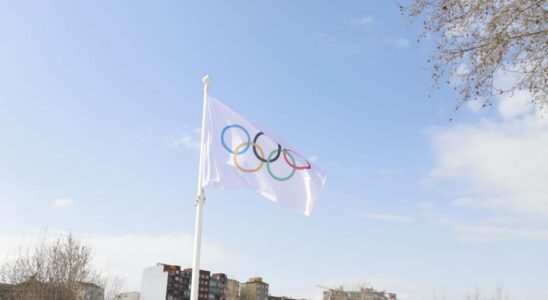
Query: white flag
point(236, 153)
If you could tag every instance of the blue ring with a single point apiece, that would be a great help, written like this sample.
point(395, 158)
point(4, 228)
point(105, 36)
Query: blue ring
point(246, 133)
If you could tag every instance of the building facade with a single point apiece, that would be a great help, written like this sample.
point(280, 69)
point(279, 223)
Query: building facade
point(282, 298)
point(169, 282)
point(218, 286)
point(165, 282)
point(88, 291)
point(362, 294)
point(232, 289)
point(254, 289)
point(203, 285)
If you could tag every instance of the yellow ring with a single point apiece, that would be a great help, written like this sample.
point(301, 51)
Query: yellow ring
point(236, 160)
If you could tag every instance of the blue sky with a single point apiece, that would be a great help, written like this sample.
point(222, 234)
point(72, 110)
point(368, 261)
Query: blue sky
point(100, 105)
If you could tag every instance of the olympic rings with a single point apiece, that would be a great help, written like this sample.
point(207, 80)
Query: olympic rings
point(293, 170)
point(259, 157)
point(286, 153)
point(235, 160)
point(235, 126)
point(258, 151)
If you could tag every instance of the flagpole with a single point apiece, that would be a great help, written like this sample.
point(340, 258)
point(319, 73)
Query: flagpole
point(200, 199)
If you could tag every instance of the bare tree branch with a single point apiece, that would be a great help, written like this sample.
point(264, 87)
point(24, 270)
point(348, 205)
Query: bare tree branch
point(58, 270)
point(484, 37)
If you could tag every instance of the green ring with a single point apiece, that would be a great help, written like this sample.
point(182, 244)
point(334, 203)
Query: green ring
point(270, 171)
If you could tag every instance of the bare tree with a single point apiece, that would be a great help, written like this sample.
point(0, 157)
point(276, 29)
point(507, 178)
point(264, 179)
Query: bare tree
point(111, 285)
point(498, 294)
point(473, 295)
point(58, 270)
point(475, 39)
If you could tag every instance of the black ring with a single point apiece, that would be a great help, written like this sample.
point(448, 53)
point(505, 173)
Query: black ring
point(257, 154)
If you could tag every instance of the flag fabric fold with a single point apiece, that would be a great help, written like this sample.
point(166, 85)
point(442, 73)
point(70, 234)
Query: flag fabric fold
point(237, 153)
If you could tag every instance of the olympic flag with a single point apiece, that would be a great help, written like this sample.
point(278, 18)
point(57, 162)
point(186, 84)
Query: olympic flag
point(237, 153)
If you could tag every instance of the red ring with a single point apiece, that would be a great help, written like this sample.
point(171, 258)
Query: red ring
point(294, 166)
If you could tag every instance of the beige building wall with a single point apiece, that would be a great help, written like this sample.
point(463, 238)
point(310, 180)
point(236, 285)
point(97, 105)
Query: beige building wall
point(232, 289)
point(254, 289)
point(362, 294)
point(127, 296)
point(89, 291)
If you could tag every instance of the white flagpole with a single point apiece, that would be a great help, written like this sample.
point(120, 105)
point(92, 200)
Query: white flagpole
point(200, 199)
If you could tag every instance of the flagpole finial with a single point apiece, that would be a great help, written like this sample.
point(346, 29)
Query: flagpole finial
point(206, 81)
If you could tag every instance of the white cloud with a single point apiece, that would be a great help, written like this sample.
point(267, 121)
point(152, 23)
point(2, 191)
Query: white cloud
point(515, 105)
point(497, 164)
point(475, 105)
point(492, 230)
point(313, 158)
point(362, 21)
point(189, 138)
point(506, 80)
point(62, 202)
point(183, 141)
point(329, 41)
point(501, 165)
point(399, 42)
point(188, 142)
point(510, 105)
point(388, 217)
point(485, 233)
